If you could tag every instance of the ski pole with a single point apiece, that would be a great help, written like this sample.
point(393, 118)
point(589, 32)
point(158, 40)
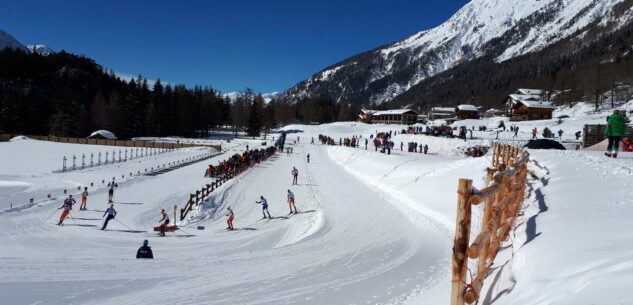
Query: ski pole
point(123, 224)
point(49, 216)
point(72, 216)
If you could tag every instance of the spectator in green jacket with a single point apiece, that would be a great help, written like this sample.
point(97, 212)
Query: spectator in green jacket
point(616, 129)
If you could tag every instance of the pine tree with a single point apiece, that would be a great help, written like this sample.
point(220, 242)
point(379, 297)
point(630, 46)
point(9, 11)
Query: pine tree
point(255, 117)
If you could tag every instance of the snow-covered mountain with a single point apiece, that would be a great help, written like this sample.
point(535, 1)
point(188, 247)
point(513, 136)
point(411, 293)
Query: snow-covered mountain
point(40, 49)
point(267, 96)
point(8, 41)
point(501, 29)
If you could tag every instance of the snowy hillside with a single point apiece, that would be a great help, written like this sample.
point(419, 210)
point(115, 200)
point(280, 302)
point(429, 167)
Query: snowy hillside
point(8, 41)
point(503, 29)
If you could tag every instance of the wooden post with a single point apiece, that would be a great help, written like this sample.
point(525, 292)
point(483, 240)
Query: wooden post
point(460, 243)
point(487, 216)
point(175, 209)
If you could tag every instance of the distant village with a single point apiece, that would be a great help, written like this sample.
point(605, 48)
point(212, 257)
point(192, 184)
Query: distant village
point(523, 105)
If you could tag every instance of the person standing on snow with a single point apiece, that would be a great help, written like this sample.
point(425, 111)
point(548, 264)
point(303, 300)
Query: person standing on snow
point(145, 251)
point(229, 221)
point(308, 157)
point(560, 134)
point(366, 141)
point(111, 186)
point(426, 148)
point(616, 129)
point(163, 222)
point(111, 213)
point(291, 202)
point(67, 206)
point(84, 199)
point(295, 175)
point(264, 204)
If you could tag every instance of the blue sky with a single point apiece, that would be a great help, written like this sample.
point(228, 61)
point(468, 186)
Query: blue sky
point(229, 45)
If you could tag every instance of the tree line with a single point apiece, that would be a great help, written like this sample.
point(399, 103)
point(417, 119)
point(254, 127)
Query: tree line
point(69, 95)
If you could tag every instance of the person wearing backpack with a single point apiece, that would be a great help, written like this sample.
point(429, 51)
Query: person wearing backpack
point(615, 131)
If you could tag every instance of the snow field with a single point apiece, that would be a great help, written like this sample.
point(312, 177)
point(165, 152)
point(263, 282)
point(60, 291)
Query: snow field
point(29, 164)
point(373, 229)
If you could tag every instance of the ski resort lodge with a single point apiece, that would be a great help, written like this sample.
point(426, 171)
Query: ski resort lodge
point(527, 105)
point(441, 113)
point(395, 116)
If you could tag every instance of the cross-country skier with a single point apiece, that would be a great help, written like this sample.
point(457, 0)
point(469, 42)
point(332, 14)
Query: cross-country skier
point(163, 222)
point(264, 204)
point(67, 206)
point(308, 157)
point(111, 186)
point(84, 199)
point(295, 175)
point(111, 213)
point(229, 221)
point(291, 202)
point(145, 251)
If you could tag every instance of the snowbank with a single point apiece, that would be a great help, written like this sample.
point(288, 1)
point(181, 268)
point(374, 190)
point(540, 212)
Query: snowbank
point(103, 133)
point(19, 138)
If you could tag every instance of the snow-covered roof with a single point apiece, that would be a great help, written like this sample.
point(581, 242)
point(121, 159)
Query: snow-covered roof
point(493, 110)
point(530, 91)
point(104, 133)
point(394, 111)
point(525, 97)
point(368, 111)
point(466, 107)
point(538, 104)
point(443, 109)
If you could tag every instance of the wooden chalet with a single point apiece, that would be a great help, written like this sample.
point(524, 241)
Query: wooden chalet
point(527, 105)
point(464, 112)
point(442, 113)
point(366, 116)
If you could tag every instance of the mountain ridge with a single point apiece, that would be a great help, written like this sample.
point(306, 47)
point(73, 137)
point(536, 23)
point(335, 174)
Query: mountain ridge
point(518, 27)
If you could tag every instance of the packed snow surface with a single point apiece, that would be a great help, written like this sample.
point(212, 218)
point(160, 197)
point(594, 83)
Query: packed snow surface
point(372, 228)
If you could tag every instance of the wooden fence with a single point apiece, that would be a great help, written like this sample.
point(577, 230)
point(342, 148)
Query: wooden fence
point(502, 199)
point(127, 143)
point(199, 196)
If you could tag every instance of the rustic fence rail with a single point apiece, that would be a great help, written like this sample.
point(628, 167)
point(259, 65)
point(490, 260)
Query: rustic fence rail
point(127, 143)
point(199, 196)
point(502, 198)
